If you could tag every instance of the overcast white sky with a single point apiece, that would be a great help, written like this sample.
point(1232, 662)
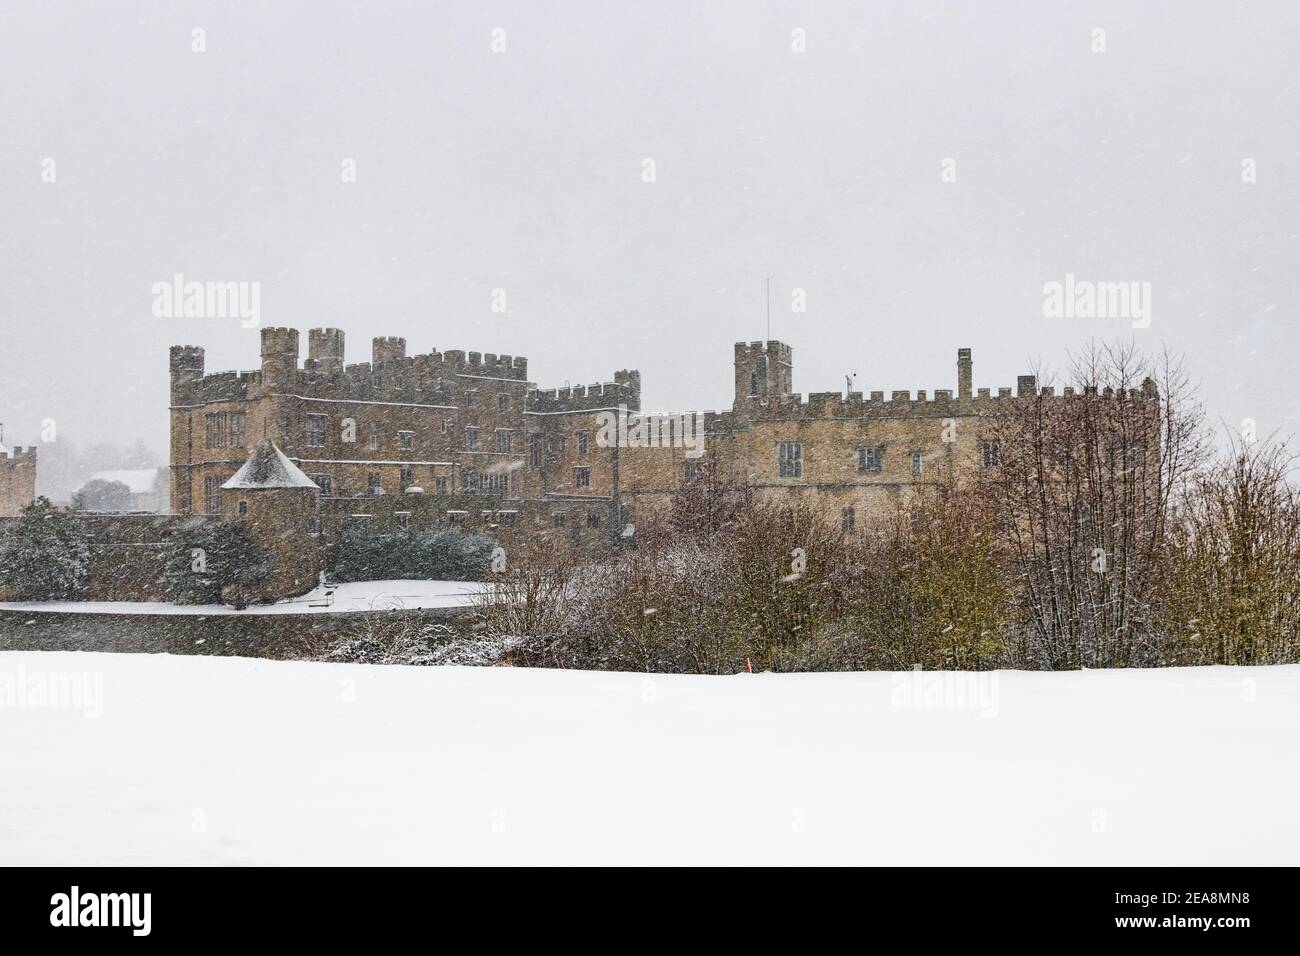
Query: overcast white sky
point(522, 171)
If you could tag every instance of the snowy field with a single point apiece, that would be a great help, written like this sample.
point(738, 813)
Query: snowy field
point(235, 761)
point(339, 598)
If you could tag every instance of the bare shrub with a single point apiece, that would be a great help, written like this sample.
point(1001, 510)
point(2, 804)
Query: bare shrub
point(957, 581)
point(381, 637)
point(1233, 587)
point(529, 599)
point(780, 587)
point(397, 637)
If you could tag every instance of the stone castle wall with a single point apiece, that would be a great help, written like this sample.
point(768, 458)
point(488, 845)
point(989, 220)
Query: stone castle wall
point(17, 480)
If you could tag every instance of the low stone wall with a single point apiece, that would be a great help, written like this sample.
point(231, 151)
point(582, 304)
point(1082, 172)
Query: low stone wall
point(272, 636)
point(508, 521)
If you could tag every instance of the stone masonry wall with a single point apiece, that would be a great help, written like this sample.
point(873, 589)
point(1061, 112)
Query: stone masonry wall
point(17, 480)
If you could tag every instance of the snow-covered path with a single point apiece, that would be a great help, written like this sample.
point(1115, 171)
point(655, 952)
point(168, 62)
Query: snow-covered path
point(352, 596)
point(238, 761)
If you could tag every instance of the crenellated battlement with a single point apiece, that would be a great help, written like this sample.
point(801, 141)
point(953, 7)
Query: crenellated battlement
point(488, 365)
point(768, 349)
point(18, 455)
point(392, 375)
point(763, 372)
point(580, 398)
point(944, 404)
point(426, 378)
point(215, 387)
point(625, 390)
point(900, 404)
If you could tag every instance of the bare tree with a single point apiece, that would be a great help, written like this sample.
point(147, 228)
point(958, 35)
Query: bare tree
point(1084, 483)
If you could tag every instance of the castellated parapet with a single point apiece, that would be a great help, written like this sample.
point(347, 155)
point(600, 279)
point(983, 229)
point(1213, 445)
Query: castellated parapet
point(190, 386)
point(624, 391)
point(392, 376)
point(901, 403)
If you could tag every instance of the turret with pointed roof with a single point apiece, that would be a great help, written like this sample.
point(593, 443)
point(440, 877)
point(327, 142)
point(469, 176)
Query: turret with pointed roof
point(268, 467)
point(271, 496)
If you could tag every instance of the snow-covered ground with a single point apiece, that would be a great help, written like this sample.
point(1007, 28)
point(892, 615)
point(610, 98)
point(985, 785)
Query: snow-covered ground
point(349, 597)
point(236, 761)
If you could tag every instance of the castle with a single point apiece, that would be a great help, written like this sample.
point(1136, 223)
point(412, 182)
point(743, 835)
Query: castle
point(298, 450)
point(465, 439)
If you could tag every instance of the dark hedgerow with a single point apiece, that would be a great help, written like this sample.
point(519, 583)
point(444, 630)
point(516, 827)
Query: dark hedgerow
point(208, 557)
point(364, 554)
point(45, 555)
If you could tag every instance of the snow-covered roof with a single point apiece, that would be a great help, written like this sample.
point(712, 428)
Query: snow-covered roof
point(141, 481)
point(268, 467)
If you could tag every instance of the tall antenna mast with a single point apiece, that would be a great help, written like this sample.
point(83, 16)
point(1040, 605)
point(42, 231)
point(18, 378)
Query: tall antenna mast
point(769, 309)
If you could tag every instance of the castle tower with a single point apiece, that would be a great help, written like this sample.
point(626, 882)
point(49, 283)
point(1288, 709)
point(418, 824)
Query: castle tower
point(279, 358)
point(185, 363)
point(764, 370)
point(325, 347)
point(388, 348)
point(964, 370)
point(278, 503)
point(631, 378)
point(17, 479)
